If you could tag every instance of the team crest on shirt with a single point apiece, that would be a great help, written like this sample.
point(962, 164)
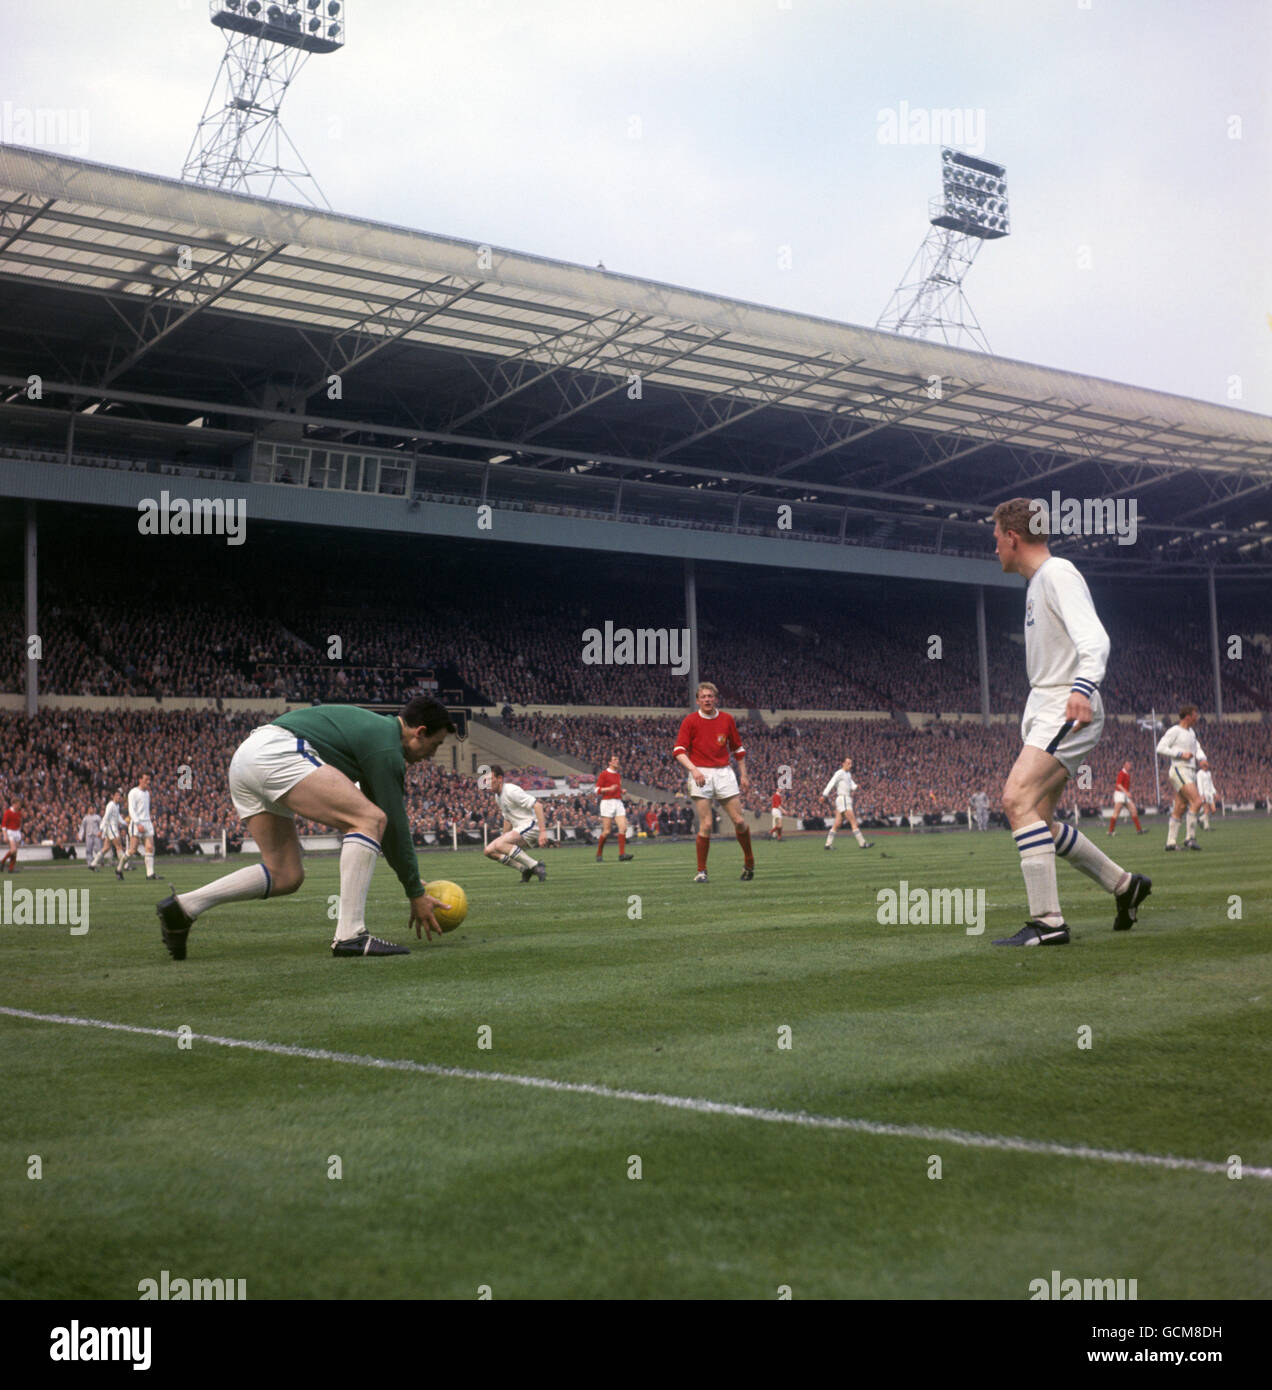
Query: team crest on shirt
point(1029, 617)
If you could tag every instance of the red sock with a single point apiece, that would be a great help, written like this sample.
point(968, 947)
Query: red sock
point(704, 844)
point(744, 839)
point(1138, 826)
point(622, 842)
point(1112, 823)
point(600, 844)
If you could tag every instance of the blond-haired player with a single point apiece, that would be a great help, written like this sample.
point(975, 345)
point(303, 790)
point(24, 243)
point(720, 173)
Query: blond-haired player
point(1066, 652)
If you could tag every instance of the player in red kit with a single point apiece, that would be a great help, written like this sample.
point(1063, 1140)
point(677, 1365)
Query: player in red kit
point(11, 826)
point(609, 788)
point(706, 738)
point(1122, 797)
point(776, 832)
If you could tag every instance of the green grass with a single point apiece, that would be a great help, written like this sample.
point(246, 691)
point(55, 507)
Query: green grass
point(212, 1162)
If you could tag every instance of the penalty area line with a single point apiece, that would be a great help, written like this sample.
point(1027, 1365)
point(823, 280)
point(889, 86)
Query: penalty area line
point(961, 1138)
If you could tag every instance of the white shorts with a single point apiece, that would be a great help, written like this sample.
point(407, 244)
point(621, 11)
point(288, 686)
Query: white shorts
point(1119, 798)
point(1181, 775)
point(721, 783)
point(143, 828)
point(777, 817)
point(612, 806)
point(15, 837)
point(1044, 726)
point(843, 803)
point(529, 833)
point(267, 765)
point(113, 831)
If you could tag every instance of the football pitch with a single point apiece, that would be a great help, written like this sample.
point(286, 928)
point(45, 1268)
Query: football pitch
point(620, 1084)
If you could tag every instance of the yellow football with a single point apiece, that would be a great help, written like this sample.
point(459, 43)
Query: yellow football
point(455, 900)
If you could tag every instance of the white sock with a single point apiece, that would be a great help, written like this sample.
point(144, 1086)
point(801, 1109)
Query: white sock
point(1074, 846)
point(150, 866)
point(1038, 865)
point(830, 839)
point(1205, 819)
point(358, 854)
point(861, 839)
point(238, 887)
point(1190, 822)
point(519, 859)
point(97, 858)
point(1172, 831)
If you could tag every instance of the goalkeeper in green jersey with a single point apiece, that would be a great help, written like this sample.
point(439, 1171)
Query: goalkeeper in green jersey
point(306, 763)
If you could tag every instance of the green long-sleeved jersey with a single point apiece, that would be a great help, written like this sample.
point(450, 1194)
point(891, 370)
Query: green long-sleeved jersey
point(367, 748)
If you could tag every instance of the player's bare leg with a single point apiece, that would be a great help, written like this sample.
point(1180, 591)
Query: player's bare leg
point(830, 837)
point(856, 830)
point(1030, 794)
point(1187, 804)
point(702, 805)
point(733, 809)
point(607, 825)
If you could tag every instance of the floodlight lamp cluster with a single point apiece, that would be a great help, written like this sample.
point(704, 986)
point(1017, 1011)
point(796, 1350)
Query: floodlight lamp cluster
point(317, 25)
point(974, 196)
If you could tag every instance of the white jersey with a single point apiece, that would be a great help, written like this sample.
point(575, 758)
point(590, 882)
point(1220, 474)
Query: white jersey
point(1177, 741)
point(841, 784)
point(1066, 646)
point(139, 806)
point(516, 805)
point(110, 819)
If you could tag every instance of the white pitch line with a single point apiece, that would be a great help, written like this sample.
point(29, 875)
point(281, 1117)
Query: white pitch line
point(959, 1137)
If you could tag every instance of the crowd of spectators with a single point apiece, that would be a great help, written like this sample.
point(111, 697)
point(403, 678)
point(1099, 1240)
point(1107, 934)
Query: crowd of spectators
point(919, 653)
point(63, 764)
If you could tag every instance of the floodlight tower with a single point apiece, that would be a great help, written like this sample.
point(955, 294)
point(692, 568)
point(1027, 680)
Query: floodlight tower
point(972, 209)
point(240, 143)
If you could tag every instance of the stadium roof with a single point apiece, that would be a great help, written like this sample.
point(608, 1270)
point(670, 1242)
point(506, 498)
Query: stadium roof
point(148, 300)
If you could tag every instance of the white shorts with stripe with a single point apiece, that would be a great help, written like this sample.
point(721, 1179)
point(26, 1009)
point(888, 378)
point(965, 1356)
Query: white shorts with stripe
point(1044, 726)
point(721, 783)
point(1181, 775)
point(267, 765)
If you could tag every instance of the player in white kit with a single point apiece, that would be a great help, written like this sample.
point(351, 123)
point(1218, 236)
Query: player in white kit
point(112, 833)
point(1179, 744)
point(1205, 789)
point(141, 828)
point(838, 791)
point(524, 824)
point(1066, 651)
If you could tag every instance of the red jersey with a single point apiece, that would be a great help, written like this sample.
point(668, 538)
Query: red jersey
point(777, 801)
point(609, 786)
point(708, 741)
point(12, 819)
point(1123, 781)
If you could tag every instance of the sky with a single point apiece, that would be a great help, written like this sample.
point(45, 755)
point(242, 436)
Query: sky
point(775, 151)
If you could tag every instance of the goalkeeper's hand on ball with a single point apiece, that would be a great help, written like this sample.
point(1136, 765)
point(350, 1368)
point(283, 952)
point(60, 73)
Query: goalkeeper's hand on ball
point(422, 914)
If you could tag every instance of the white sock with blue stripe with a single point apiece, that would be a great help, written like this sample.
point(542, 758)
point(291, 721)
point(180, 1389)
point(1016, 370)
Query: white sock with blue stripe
point(238, 887)
point(1073, 846)
point(1038, 865)
point(358, 854)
